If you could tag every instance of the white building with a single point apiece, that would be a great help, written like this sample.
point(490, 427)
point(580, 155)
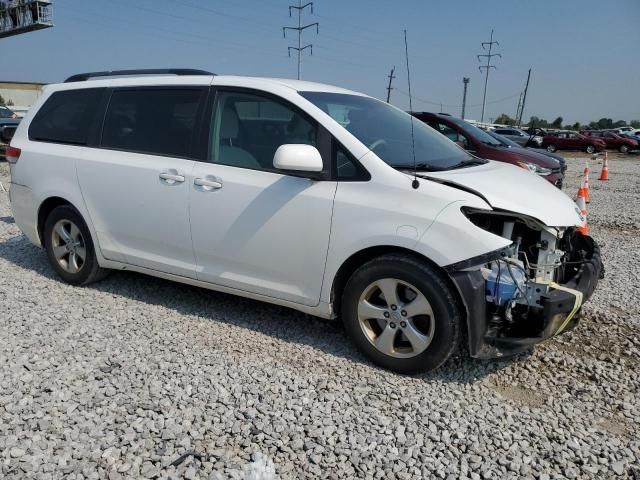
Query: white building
point(21, 94)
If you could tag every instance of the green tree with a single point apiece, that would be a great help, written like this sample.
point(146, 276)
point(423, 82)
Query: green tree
point(505, 119)
point(557, 123)
point(635, 123)
point(2, 100)
point(538, 122)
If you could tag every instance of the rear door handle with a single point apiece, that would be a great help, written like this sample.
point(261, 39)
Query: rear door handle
point(208, 184)
point(171, 177)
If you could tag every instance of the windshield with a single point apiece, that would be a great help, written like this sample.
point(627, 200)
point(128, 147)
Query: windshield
point(476, 132)
point(503, 140)
point(386, 130)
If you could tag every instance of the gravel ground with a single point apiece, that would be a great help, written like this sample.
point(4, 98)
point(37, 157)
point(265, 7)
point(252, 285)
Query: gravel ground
point(120, 379)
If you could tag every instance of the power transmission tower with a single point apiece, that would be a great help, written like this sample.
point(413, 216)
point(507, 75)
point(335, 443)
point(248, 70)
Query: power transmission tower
point(487, 67)
point(23, 16)
point(300, 28)
point(389, 88)
point(524, 98)
point(465, 80)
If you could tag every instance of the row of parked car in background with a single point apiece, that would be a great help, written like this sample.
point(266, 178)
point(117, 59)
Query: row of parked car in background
point(9, 121)
point(624, 139)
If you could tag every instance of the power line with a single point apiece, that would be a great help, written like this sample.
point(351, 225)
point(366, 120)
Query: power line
point(300, 28)
point(487, 67)
point(430, 102)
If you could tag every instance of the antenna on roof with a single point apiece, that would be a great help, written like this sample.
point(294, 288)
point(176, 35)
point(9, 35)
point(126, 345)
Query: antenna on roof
point(415, 183)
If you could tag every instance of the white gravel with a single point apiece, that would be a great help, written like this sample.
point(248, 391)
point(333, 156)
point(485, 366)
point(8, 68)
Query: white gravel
point(120, 379)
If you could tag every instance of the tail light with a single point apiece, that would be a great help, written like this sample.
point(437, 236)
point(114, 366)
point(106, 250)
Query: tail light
point(12, 154)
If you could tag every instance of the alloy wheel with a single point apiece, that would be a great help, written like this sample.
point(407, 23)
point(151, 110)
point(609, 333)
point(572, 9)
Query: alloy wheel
point(396, 318)
point(68, 246)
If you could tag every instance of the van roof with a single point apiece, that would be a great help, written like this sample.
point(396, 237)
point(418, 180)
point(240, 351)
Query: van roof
point(111, 79)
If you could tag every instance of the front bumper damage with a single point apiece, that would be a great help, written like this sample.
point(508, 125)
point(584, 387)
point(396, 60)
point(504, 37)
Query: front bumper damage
point(556, 311)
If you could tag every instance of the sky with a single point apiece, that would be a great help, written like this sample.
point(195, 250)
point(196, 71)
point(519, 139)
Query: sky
point(583, 53)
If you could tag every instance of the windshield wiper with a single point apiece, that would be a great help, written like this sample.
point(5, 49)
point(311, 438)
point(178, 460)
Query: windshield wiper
point(468, 163)
point(425, 167)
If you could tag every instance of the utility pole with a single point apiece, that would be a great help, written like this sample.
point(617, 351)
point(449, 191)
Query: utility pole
point(524, 98)
point(487, 67)
point(515, 119)
point(465, 80)
point(389, 88)
point(300, 28)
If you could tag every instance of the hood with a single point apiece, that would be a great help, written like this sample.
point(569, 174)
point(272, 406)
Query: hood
point(517, 154)
point(507, 187)
point(537, 158)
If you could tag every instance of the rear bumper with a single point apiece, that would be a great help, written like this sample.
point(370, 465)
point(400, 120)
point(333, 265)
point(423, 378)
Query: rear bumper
point(24, 211)
point(555, 316)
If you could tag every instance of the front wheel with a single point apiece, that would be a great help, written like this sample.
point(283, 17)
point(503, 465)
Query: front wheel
point(591, 149)
point(624, 148)
point(402, 314)
point(69, 247)
point(551, 148)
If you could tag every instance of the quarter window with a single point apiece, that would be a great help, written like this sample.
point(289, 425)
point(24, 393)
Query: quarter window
point(67, 116)
point(156, 121)
point(249, 128)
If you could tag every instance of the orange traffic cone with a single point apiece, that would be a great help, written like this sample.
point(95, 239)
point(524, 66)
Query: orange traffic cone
point(586, 183)
point(604, 175)
point(581, 191)
point(582, 205)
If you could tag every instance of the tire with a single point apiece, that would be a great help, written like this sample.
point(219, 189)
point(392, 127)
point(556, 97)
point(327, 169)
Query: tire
point(69, 247)
point(590, 149)
point(624, 149)
point(418, 339)
point(551, 148)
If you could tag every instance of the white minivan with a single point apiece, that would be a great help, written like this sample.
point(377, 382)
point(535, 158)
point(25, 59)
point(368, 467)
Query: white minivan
point(305, 195)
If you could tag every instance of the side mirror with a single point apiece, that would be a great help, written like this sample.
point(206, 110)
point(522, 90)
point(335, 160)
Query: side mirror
point(298, 157)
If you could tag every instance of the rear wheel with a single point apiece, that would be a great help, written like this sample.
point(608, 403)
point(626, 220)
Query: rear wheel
point(591, 149)
point(551, 148)
point(70, 248)
point(624, 148)
point(401, 313)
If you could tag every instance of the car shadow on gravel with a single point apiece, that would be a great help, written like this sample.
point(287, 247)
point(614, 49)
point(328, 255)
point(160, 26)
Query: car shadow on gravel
point(278, 322)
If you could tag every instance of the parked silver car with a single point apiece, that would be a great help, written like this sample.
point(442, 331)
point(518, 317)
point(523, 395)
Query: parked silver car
point(521, 137)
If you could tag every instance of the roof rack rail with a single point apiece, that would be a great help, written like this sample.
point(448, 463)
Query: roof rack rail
point(81, 77)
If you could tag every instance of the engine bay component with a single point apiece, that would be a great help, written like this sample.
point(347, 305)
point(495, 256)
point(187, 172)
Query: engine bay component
point(534, 289)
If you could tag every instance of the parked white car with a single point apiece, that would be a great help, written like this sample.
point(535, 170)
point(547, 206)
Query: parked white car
point(303, 195)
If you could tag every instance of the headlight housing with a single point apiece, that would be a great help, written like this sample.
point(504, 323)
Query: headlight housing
point(537, 169)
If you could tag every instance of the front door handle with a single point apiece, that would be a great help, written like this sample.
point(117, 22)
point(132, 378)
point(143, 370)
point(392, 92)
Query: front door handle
point(208, 184)
point(171, 177)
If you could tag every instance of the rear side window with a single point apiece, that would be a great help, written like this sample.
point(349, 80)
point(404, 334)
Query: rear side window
point(67, 116)
point(156, 121)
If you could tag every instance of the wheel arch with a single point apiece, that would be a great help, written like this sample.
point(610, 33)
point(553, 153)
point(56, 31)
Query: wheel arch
point(45, 209)
point(359, 258)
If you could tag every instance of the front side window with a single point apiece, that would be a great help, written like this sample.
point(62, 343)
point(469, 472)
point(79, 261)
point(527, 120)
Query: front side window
point(155, 121)
point(248, 129)
point(67, 116)
point(387, 132)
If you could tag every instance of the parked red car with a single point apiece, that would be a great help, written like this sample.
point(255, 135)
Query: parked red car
point(613, 140)
point(553, 141)
point(481, 144)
